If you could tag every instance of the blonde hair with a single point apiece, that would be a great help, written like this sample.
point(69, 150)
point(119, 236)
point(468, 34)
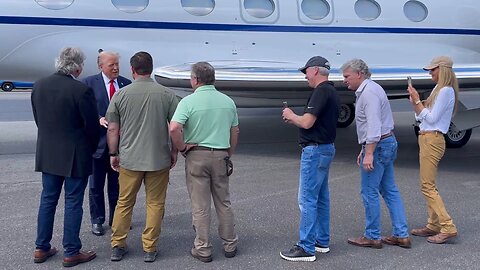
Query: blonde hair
point(446, 77)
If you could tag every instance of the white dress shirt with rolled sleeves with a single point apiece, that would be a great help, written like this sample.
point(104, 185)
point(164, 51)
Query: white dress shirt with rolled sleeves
point(438, 117)
point(373, 115)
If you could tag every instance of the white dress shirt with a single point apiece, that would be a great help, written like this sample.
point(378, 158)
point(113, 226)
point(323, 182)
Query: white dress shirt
point(106, 80)
point(438, 117)
point(373, 115)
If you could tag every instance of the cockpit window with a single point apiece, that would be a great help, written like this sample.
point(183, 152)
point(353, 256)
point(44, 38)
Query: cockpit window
point(130, 6)
point(367, 9)
point(259, 8)
point(54, 4)
point(315, 9)
point(198, 7)
point(415, 11)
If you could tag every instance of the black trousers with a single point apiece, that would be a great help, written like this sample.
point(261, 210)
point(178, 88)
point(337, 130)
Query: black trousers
point(102, 171)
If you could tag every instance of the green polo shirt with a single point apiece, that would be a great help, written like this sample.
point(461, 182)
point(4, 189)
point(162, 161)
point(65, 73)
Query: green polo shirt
point(207, 116)
point(143, 110)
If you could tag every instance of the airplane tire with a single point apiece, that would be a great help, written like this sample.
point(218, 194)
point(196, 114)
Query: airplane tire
point(346, 116)
point(457, 138)
point(7, 86)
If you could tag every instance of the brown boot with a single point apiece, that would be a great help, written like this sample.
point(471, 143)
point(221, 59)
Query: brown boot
point(441, 238)
point(424, 232)
point(41, 256)
point(397, 241)
point(365, 242)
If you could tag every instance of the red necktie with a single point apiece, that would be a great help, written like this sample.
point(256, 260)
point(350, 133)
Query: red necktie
point(112, 89)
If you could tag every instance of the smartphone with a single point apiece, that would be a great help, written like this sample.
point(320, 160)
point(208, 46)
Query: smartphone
point(285, 104)
point(409, 80)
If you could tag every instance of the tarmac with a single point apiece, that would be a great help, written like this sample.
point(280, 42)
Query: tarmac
point(263, 190)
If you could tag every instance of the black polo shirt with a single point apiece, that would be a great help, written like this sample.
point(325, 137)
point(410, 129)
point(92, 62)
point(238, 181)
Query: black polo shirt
point(324, 103)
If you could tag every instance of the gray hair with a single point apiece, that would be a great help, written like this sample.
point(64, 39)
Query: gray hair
point(204, 72)
point(357, 65)
point(69, 60)
point(323, 71)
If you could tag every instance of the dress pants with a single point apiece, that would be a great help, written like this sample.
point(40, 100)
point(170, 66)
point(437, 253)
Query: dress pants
point(101, 167)
point(206, 179)
point(432, 148)
point(156, 183)
point(74, 191)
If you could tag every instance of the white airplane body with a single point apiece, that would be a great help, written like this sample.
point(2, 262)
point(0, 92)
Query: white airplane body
point(255, 45)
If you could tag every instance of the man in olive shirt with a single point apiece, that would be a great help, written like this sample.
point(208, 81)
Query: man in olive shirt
point(141, 111)
point(209, 123)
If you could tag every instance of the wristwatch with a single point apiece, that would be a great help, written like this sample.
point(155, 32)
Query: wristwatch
point(418, 102)
point(113, 154)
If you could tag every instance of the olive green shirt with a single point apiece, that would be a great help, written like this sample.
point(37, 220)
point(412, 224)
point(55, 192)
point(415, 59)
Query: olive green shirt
point(143, 110)
point(207, 116)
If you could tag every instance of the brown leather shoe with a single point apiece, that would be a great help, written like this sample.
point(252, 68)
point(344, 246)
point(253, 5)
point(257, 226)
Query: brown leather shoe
point(40, 256)
point(424, 232)
point(397, 241)
point(81, 257)
point(441, 238)
point(365, 242)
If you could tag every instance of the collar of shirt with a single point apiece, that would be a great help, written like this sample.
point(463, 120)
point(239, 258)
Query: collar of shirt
point(143, 79)
point(362, 87)
point(206, 88)
point(106, 81)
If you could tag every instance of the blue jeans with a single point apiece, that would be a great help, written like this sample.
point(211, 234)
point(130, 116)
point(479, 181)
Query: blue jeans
point(313, 196)
point(381, 180)
point(74, 191)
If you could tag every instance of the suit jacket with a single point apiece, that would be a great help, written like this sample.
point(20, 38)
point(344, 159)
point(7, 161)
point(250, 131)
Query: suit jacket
point(98, 85)
point(66, 115)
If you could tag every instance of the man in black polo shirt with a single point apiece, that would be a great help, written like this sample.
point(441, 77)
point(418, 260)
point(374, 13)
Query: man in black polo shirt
point(317, 128)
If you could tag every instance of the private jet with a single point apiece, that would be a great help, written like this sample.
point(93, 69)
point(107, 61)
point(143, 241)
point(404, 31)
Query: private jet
point(256, 46)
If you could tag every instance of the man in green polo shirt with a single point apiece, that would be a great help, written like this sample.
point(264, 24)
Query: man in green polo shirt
point(205, 130)
point(141, 111)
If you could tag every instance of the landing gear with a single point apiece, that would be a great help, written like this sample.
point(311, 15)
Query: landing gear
point(346, 116)
point(7, 86)
point(457, 138)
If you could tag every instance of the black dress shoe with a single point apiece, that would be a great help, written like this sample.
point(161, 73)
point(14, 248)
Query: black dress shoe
point(97, 229)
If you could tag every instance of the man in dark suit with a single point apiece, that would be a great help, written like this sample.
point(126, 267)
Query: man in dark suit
point(104, 86)
point(66, 116)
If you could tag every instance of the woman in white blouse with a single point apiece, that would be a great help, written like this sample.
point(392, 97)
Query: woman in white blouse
point(435, 115)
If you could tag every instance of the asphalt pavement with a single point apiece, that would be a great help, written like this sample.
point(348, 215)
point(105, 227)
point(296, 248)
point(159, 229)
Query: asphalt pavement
point(263, 189)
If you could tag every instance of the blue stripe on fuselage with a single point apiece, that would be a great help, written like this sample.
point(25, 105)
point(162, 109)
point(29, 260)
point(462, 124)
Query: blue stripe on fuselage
point(17, 20)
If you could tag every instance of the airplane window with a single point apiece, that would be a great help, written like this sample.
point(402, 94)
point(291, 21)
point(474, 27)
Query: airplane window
point(367, 9)
point(54, 4)
point(315, 9)
point(415, 11)
point(198, 7)
point(259, 8)
point(130, 6)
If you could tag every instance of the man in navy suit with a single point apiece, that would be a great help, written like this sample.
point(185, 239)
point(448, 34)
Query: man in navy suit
point(104, 86)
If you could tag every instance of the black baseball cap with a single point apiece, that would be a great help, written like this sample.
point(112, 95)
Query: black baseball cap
point(316, 61)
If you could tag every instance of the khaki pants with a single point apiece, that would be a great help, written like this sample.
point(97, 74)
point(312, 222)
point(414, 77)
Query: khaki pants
point(207, 179)
point(156, 190)
point(432, 148)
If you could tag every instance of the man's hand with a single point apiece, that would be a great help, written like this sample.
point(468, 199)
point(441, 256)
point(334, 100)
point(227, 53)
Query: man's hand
point(103, 122)
point(359, 158)
point(115, 163)
point(173, 158)
point(368, 162)
point(287, 115)
point(188, 147)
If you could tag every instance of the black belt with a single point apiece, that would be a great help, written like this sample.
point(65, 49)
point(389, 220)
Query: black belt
point(203, 148)
point(303, 145)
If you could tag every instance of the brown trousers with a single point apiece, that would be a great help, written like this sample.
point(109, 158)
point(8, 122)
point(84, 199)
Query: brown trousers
point(432, 148)
point(156, 183)
point(207, 179)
